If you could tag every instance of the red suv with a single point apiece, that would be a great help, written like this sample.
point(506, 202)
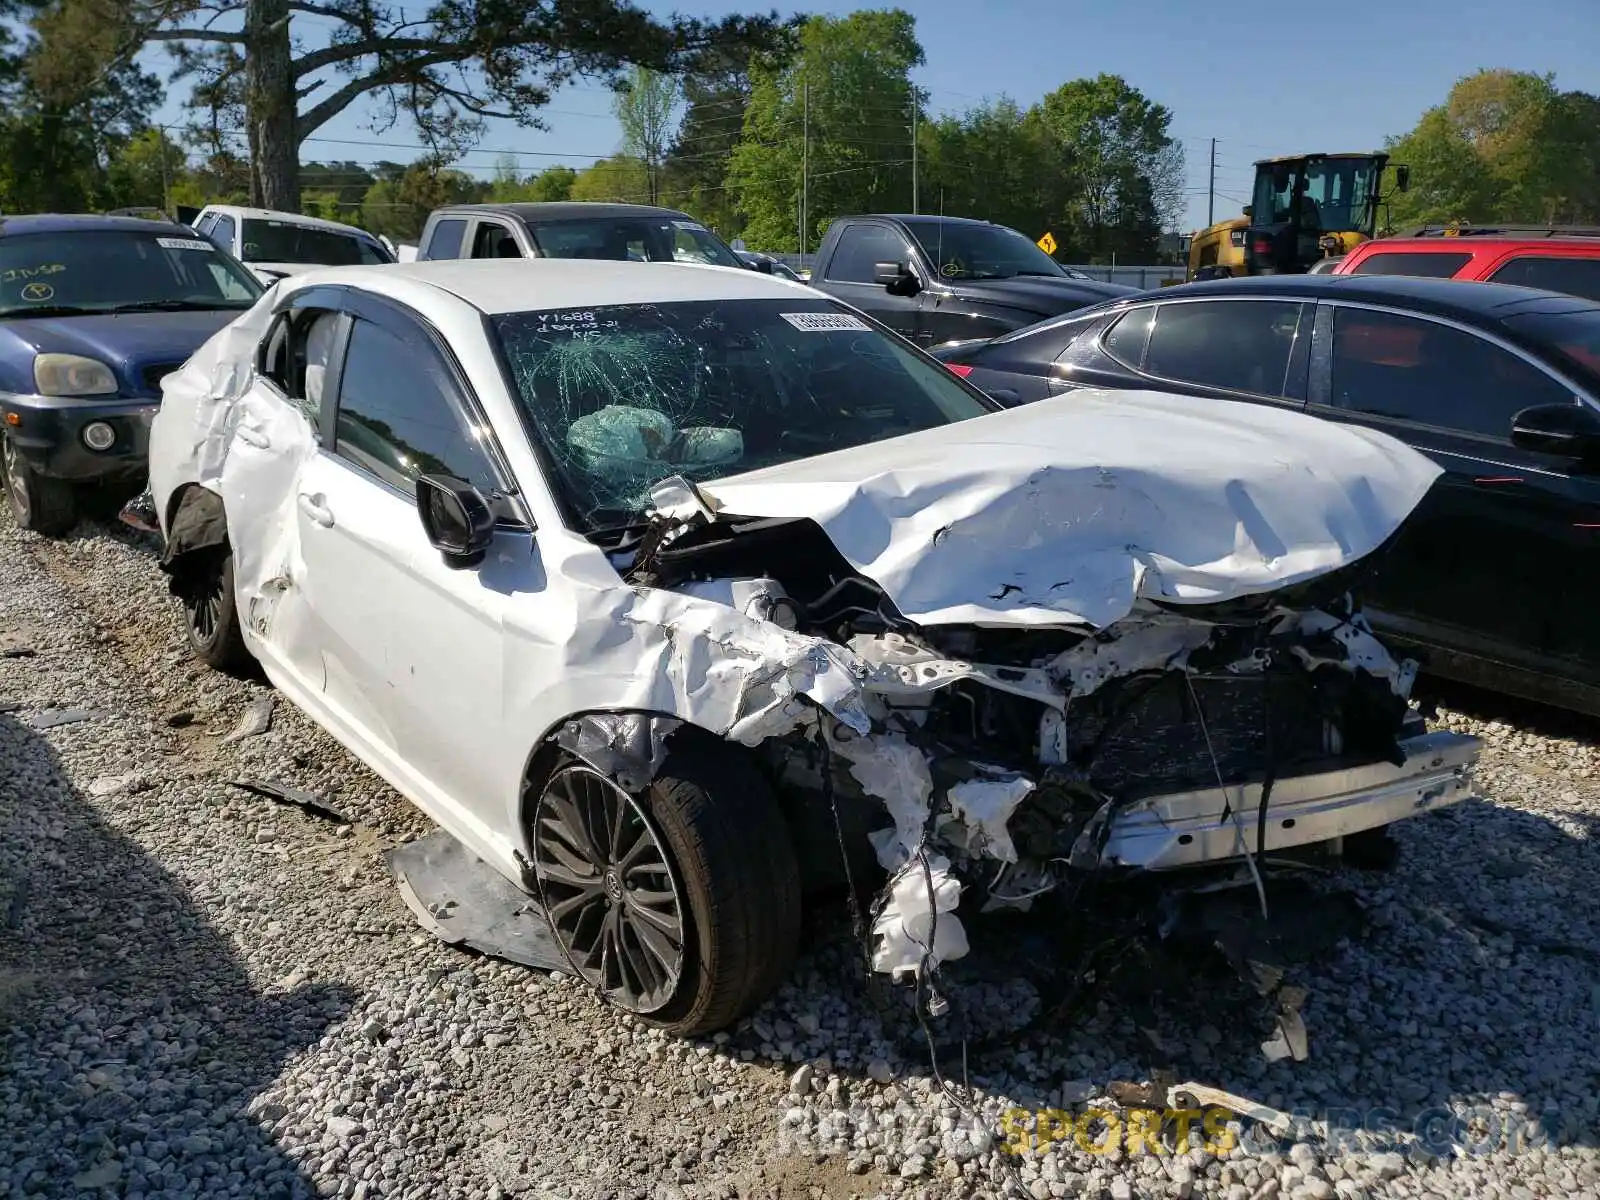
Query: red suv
point(1551, 259)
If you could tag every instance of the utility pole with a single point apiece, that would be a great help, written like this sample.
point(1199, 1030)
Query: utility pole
point(805, 162)
point(913, 149)
point(1211, 191)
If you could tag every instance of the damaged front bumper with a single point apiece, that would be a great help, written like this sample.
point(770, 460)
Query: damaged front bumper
point(1213, 825)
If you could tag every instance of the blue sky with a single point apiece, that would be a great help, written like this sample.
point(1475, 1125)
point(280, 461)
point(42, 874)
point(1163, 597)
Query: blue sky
point(1260, 78)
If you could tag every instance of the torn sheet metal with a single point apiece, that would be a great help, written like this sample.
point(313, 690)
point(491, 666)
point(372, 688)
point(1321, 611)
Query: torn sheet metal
point(463, 901)
point(1070, 511)
point(1151, 640)
point(628, 747)
point(892, 769)
point(1359, 648)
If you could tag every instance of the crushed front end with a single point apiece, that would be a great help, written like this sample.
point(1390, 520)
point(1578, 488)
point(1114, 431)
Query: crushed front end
point(1013, 761)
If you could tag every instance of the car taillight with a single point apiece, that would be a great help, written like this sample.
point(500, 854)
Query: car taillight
point(1262, 245)
point(960, 369)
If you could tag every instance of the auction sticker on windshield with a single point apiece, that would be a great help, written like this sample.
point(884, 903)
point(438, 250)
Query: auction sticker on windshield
point(184, 244)
point(812, 322)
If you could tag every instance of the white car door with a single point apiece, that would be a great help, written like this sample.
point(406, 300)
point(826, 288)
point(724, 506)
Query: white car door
point(413, 648)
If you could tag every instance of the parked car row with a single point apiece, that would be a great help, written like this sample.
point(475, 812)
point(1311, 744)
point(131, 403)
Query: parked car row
point(722, 575)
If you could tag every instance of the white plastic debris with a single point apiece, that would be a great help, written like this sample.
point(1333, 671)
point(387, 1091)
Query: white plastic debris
point(907, 922)
point(987, 804)
point(892, 769)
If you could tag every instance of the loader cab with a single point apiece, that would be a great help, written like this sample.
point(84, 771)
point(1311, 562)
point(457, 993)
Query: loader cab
point(1311, 206)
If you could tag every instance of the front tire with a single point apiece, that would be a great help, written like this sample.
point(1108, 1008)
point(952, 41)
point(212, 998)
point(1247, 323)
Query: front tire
point(41, 503)
point(680, 905)
point(211, 613)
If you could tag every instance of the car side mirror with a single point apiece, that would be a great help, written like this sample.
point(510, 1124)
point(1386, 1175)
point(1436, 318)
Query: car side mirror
point(896, 278)
point(764, 265)
point(1249, 211)
point(1402, 177)
point(1567, 430)
point(456, 518)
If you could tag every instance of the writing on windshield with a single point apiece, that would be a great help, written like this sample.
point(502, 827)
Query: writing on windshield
point(113, 270)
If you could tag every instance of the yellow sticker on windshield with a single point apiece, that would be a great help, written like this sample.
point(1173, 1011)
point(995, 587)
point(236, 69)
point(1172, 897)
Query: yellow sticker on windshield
point(37, 292)
point(20, 274)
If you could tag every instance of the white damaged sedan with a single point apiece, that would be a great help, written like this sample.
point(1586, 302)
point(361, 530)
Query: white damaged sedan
point(669, 592)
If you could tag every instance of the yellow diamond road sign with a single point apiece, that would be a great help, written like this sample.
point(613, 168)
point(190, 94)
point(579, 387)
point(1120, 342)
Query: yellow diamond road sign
point(1047, 243)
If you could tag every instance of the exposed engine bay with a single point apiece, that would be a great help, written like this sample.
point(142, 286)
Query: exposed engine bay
point(1011, 760)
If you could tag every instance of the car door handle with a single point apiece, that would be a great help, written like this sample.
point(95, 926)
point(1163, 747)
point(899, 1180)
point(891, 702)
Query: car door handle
point(314, 508)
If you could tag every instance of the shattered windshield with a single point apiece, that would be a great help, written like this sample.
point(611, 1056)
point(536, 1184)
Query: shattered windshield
point(963, 251)
point(624, 396)
point(290, 242)
point(636, 239)
point(115, 270)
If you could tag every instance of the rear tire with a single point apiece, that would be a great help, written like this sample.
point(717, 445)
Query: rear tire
point(730, 865)
point(41, 503)
point(211, 613)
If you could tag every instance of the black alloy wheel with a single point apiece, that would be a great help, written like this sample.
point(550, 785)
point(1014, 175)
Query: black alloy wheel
point(608, 886)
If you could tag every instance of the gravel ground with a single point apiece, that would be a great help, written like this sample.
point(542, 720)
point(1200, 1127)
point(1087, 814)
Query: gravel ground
point(206, 994)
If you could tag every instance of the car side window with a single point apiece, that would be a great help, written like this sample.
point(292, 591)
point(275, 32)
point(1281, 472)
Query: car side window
point(1427, 264)
point(222, 233)
point(1241, 345)
point(493, 240)
point(860, 248)
point(1572, 276)
point(1408, 369)
point(396, 418)
point(296, 354)
point(446, 239)
point(204, 224)
point(1125, 340)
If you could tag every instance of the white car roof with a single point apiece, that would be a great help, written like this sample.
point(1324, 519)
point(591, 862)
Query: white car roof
point(286, 218)
point(496, 286)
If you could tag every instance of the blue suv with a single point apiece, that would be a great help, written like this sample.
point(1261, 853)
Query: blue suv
point(94, 312)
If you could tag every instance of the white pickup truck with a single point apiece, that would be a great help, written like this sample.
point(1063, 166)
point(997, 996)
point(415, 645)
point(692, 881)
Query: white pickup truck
point(275, 244)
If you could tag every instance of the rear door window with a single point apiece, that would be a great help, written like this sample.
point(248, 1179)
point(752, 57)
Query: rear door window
point(1427, 264)
point(446, 239)
point(1240, 345)
point(1425, 373)
point(1573, 276)
point(494, 240)
point(1125, 340)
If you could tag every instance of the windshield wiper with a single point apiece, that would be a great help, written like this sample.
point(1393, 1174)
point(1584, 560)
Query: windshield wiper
point(173, 306)
point(49, 310)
